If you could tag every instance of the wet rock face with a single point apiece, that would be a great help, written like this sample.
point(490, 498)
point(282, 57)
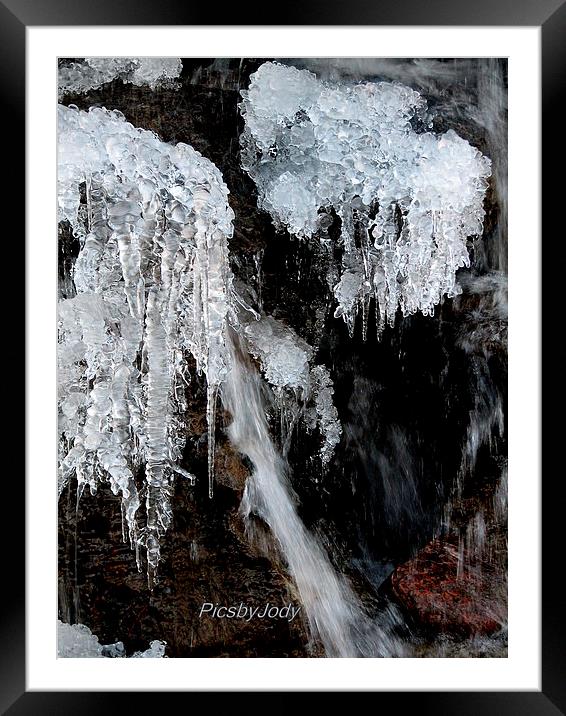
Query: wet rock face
point(444, 597)
point(205, 560)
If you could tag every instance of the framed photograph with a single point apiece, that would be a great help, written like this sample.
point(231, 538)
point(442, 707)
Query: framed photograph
point(283, 314)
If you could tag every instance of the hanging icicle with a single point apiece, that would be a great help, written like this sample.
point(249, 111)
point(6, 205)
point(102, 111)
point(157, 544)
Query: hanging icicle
point(153, 284)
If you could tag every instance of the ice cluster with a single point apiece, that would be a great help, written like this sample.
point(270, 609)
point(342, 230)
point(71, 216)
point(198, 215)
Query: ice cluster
point(152, 286)
point(327, 419)
point(407, 200)
point(304, 389)
point(284, 357)
point(76, 641)
point(93, 72)
point(156, 651)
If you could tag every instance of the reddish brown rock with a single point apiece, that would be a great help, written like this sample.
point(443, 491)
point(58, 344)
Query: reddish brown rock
point(442, 597)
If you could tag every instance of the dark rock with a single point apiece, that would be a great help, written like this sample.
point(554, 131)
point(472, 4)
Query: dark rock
point(203, 561)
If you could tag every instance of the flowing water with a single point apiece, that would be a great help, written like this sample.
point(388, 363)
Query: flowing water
point(335, 614)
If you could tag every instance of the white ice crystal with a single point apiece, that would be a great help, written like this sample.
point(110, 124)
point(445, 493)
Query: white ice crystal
point(153, 285)
point(283, 355)
point(407, 201)
point(76, 641)
point(326, 414)
point(93, 72)
point(156, 651)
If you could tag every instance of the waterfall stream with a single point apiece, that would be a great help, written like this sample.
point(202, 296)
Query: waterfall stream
point(334, 613)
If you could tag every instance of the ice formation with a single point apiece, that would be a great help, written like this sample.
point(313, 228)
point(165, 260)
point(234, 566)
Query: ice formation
point(93, 72)
point(303, 389)
point(326, 414)
point(407, 201)
point(76, 641)
point(153, 286)
point(283, 355)
point(156, 651)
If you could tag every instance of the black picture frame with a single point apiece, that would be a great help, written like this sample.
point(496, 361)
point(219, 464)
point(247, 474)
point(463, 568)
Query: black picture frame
point(550, 15)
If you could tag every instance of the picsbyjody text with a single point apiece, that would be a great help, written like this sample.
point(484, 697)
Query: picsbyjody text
point(247, 613)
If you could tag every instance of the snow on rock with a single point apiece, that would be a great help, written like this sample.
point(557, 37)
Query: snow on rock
point(407, 201)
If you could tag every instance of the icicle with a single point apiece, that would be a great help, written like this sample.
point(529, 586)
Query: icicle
point(187, 475)
point(153, 282)
point(157, 477)
point(211, 394)
point(122, 217)
point(258, 260)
